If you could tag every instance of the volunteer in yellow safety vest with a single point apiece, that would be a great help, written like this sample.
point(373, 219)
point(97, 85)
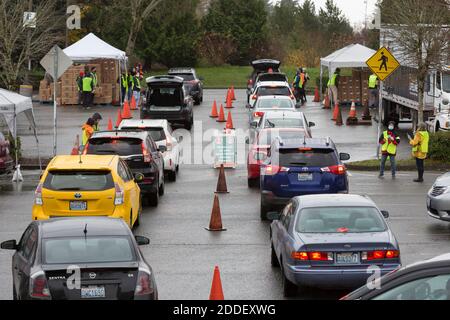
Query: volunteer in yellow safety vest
point(420, 149)
point(88, 89)
point(87, 132)
point(373, 91)
point(124, 85)
point(333, 85)
point(389, 141)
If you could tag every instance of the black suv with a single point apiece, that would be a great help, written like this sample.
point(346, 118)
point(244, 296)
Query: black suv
point(141, 154)
point(259, 67)
point(166, 98)
point(192, 83)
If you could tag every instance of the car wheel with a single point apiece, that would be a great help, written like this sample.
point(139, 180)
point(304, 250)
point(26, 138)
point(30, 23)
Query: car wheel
point(438, 127)
point(264, 210)
point(137, 223)
point(172, 176)
point(162, 188)
point(178, 168)
point(154, 199)
point(253, 183)
point(289, 289)
point(273, 258)
point(188, 125)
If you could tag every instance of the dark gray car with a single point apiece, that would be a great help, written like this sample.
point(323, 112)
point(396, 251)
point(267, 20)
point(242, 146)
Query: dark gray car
point(331, 241)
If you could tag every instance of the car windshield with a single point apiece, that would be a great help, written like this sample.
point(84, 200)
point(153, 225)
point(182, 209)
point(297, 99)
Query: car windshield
point(166, 97)
point(120, 146)
point(307, 158)
point(340, 220)
point(157, 134)
point(275, 104)
point(267, 137)
point(87, 250)
point(185, 76)
point(284, 123)
point(79, 180)
point(273, 91)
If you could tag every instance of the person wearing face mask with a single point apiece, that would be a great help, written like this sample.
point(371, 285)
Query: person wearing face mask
point(389, 141)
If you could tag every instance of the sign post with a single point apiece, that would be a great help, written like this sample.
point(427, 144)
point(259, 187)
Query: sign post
point(382, 64)
point(56, 62)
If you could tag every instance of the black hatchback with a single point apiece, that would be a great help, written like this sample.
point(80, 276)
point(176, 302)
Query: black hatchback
point(91, 258)
point(167, 99)
point(192, 83)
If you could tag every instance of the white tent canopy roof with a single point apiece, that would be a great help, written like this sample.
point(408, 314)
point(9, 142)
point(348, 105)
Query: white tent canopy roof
point(12, 104)
point(92, 47)
point(351, 56)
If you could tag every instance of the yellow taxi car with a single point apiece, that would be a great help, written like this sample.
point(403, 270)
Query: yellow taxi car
point(74, 186)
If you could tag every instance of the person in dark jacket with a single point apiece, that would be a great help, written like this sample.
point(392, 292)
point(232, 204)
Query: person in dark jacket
point(389, 141)
point(79, 82)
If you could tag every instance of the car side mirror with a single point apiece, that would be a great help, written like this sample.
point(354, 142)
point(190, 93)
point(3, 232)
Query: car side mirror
point(142, 241)
point(385, 214)
point(312, 124)
point(180, 139)
point(139, 177)
point(247, 140)
point(445, 101)
point(162, 149)
point(254, 124)
point(9, 245)
point(344, 156)
point(273, 216)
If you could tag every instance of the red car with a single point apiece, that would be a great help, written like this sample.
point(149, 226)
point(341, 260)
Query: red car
point(6, 162)
point(261, 146)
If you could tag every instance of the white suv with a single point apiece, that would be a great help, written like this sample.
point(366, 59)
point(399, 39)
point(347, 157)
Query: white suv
point(271, 88)
point(161, 132)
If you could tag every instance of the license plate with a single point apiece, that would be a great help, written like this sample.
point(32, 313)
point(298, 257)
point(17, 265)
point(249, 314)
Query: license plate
point(78, 205)
point(347, 258)
point(93, 292)
point(305, 177)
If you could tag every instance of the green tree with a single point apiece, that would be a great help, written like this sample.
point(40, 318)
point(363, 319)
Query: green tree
point(333, 21)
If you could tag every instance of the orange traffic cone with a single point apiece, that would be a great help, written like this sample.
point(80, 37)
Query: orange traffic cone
point(233, 94)
point(133, 104)
point(215, 223)
point(316, 95)
point(326, 103)
point(229, 124)
point(119, 119)
point(110, 124)
point(222, 182)
point(221, 115)
point(335, 112)
point(76, 147)
point(216, 287)
point(228, 94)
point(352, 117)
point(126, 111)
point(229, 100)
point(214, 113)
point(339, 117)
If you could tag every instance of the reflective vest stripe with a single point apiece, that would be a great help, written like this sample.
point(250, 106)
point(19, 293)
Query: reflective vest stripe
point(388, 146)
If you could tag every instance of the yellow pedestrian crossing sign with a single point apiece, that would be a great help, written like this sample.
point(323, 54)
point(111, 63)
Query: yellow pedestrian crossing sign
point(383, 63)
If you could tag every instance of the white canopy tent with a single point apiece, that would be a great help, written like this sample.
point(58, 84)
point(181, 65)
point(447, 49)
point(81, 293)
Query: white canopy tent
point(13, 104)
point(351, 56)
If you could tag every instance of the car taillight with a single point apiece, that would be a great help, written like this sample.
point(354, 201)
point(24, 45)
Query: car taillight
point(250, 82)
point(39, 286)
point(255, 97)
point(146, 154)
point(312, 256)
point(38, 195)
point(271, 170)
point(194, 82)
point(258, 114)
point(144, 284)
point(338, 170)
point(119, 197)
point(380, 254)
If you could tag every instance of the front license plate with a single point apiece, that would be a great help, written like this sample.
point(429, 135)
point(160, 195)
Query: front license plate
point(347, 258)
point(305, 177)
point(93, 292)
point(78, 205)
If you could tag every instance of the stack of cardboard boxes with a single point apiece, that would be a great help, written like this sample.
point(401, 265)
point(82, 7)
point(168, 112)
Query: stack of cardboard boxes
point(67, 89)
point(354, 87)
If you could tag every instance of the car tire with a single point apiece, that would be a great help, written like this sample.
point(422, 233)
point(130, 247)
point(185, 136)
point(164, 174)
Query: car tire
point(264, 210)
point(188, 125)
point(172, 175)
point(162, 188)
point(153, 199)
point(273, 258)
point(289, 289)
point(438, 127)
point(253, 183)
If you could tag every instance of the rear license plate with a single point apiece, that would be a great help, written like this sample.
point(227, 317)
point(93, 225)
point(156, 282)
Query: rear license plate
point(78, 205)
point(93, 292)
point(305, 177)
point(347, 258)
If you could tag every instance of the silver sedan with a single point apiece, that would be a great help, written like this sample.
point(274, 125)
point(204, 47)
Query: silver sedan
point(438, 200)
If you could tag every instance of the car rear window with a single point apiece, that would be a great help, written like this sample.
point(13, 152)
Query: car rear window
point(79, 180)
point(166, 96)
point(120, 146)
point(340, 220)
point(274, 91)
point(267, 137)
point(157, 134)
point(284, 123)
point(87, 250)
point(275, 104)
point(307, 158)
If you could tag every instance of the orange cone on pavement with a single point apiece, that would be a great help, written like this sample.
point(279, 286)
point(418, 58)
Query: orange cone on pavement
point(222, 182)
point(316, 95)
point(233, 94)
point(76, 147)
point(214, 112)
point(110, 124)
point(339, 117)
point(229, 104)
point(216, 287)
point(215, 223)
point(229, 124)
point(221, 115)
point(335, 112)
point(352, 117)
point(326, 103)
point(119, 119)
point(126, 111)
point(133, 103)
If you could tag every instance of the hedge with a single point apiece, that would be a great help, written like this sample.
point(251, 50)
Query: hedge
point(439, 148)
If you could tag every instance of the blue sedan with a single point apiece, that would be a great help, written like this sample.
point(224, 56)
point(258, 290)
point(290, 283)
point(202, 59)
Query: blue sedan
point(331, 242)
